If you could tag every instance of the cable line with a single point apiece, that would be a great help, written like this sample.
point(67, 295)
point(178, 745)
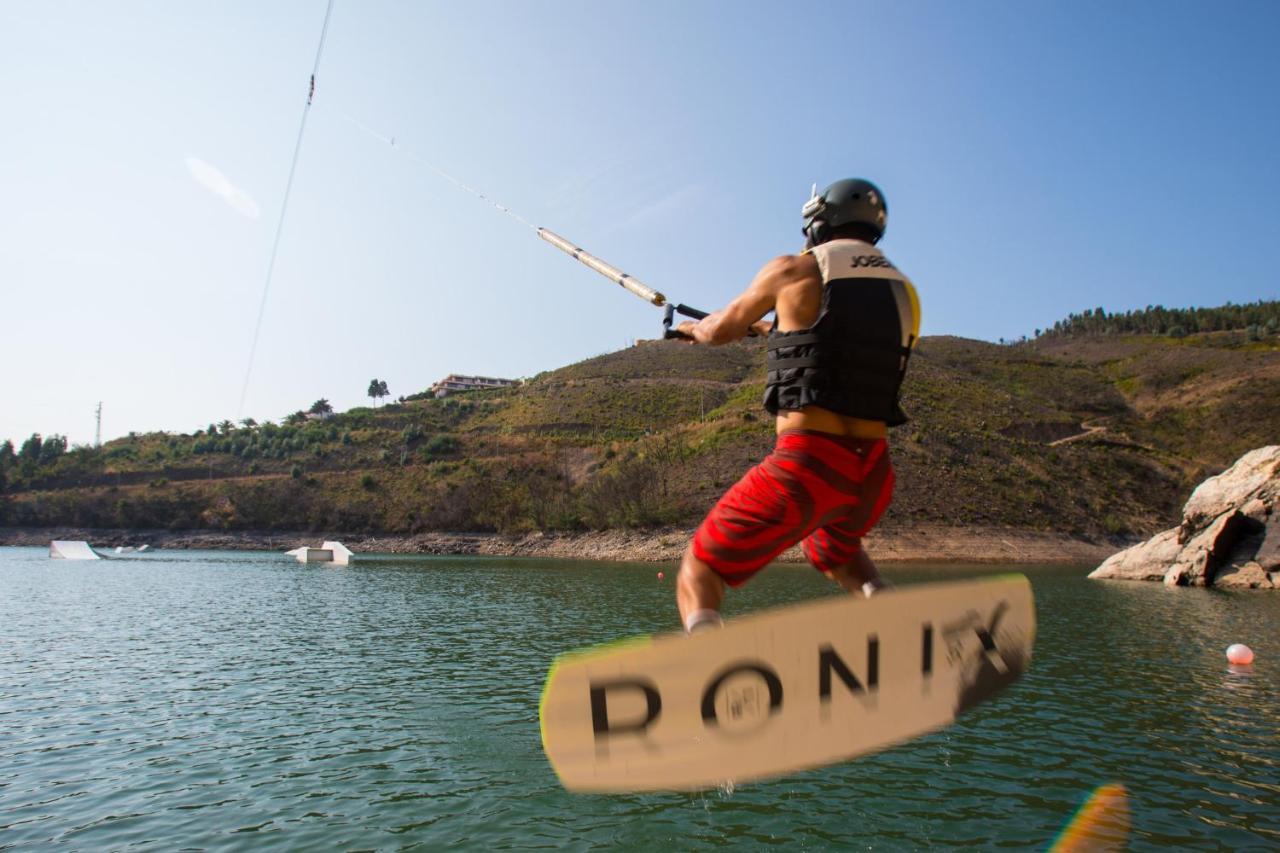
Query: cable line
point(606, 269)
point(391, 140)
point(284, 206)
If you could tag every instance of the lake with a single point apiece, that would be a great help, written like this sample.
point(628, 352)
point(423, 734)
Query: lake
point(219, 701)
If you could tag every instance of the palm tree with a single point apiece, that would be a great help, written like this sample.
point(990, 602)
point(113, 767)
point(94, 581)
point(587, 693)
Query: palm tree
point(320, 407)
point(378, 389)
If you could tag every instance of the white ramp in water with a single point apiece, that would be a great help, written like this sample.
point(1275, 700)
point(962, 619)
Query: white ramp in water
point(331, 552)
point(341, 553)
point(64, 549)
point(310, 555)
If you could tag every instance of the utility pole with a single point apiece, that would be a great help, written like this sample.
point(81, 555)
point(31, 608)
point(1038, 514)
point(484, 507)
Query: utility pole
point(97, 435)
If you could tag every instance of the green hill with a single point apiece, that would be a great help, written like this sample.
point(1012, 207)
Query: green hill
point(1097, 435)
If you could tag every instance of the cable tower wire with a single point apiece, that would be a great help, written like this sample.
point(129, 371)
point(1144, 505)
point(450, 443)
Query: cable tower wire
point(284, 206)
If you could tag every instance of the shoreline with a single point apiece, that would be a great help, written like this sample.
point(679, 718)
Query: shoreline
point(930, 543)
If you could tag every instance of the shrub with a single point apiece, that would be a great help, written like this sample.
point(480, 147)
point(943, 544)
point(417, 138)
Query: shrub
point(442, 445)
point(1114, 525)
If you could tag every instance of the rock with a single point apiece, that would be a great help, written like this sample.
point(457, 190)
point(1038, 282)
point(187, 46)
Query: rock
point(1268, 554)
point(1249, 576)
point(1200, 558)
point(1256, 509)
point(1254, 476)
point(1242, 568)
point(1147, 561)
point(1229, 535)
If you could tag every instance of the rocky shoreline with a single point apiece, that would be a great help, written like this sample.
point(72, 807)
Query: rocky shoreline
point(1229, 535)
point(935, 544)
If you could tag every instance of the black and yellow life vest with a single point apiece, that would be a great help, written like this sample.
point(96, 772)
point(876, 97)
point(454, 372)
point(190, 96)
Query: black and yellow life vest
point(853, 358)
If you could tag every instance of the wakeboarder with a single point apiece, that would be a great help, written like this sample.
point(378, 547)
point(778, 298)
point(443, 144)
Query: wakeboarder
point(846, 321)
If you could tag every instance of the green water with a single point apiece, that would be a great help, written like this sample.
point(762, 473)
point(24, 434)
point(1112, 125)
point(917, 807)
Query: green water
point(233, 701)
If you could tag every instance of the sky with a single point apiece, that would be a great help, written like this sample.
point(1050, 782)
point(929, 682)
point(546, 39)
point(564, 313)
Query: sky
point(1037, 159)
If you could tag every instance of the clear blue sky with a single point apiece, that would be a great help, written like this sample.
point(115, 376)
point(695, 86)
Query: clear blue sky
point(1037, 158)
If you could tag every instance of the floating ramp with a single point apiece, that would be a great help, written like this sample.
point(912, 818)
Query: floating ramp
point(129, 549)
point(330, 552)
point(65, 549)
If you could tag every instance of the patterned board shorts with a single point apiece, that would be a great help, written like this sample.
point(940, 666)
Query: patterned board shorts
point(824, 491)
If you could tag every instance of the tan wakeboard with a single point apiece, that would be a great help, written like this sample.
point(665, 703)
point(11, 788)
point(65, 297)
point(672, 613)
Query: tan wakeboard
point(785, 689)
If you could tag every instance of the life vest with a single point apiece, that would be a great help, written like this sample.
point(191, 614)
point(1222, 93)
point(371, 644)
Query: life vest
point(853, 358)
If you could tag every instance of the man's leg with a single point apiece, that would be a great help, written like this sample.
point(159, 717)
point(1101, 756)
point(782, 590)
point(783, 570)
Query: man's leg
point(836, 548)
point(757, 519)
point(699, 591)
point(858, 575)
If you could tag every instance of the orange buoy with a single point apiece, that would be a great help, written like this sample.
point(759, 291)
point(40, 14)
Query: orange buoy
point(1239, 654)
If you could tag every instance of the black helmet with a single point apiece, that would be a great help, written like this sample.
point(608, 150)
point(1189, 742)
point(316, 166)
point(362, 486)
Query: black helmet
point(852, 201)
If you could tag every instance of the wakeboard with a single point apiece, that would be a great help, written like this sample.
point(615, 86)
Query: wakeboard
point(783, 690)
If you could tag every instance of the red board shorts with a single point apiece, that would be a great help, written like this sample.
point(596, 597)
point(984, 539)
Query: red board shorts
point(824, 491)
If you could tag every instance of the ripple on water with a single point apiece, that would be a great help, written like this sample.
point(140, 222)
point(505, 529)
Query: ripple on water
point(222, 701)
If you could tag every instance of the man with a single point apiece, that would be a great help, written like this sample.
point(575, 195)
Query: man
point(845, 322)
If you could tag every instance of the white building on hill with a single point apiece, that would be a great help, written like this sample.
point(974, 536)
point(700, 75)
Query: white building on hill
point(455, 382)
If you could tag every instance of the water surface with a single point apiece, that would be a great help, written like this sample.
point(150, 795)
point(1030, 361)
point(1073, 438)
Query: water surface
point(229, 701)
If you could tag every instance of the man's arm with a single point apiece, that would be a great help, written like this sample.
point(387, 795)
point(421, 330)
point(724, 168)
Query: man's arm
point(732, 322)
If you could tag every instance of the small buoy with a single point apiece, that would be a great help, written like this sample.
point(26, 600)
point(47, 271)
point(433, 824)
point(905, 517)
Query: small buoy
point(661, 576)
point(1240, 654)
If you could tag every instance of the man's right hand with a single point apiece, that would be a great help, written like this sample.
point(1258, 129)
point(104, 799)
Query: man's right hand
point(685, 330)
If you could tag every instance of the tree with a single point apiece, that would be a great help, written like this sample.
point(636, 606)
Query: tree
point(378, 389)
point(54, 447)
point(226, 427)
point(7, 457)
point(30, 451)
point(321, 407)
point(248, 423)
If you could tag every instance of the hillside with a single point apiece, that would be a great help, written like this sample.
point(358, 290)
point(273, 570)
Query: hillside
point(1095, 436)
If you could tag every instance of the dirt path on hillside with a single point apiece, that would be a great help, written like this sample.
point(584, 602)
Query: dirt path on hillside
point(1089, 429)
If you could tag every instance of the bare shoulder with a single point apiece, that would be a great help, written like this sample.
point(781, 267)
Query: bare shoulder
point(788, 269)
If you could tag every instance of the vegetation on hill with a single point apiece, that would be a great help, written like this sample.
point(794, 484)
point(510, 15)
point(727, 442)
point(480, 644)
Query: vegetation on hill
point(1097, 435)
point(1258, 320)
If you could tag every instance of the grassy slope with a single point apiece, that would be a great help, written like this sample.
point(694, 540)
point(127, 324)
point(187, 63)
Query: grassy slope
point(654, 433)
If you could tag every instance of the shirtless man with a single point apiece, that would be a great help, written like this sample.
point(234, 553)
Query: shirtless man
point(845, 322)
